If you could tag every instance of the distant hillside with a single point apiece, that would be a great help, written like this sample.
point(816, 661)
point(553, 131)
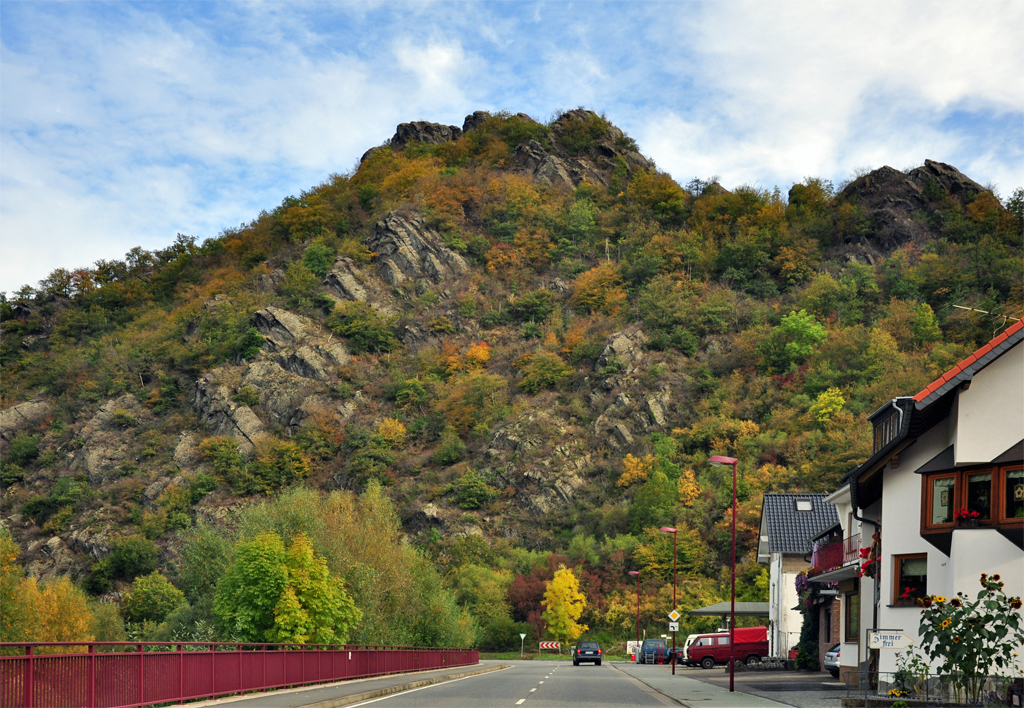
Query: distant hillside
point(531, 337)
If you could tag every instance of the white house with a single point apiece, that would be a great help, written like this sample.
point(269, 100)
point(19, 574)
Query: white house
point(957, 444)
point(788, 523)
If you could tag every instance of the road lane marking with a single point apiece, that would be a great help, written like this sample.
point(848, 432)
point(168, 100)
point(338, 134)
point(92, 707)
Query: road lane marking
point(421, 688)
point(532, 690)
point(521, 701)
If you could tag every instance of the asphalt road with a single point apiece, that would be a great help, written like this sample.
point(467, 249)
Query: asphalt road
point(533, 684)
point(795, 688)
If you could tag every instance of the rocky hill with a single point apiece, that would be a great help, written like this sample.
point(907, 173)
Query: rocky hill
point(524, 331)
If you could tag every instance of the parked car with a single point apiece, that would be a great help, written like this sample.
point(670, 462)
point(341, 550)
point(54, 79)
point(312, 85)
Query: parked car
point(710, 649)
point(683, 658)
point(586, 651)
point(831, 663)
point(654, 651)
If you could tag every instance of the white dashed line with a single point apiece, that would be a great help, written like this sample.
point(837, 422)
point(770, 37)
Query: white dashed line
point(532, 690)
point(521, 701)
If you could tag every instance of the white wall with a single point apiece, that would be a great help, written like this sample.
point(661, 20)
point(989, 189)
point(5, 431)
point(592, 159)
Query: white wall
point(991, 412)
point(792, 621)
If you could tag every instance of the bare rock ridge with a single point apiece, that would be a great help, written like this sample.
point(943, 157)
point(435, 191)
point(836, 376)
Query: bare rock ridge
point(299, 345)
point(21, 415)
point(890, 198)
point(212, 400)
point(424, 132)
point(408, 250)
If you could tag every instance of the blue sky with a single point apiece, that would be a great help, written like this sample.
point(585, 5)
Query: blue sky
point(122, 124)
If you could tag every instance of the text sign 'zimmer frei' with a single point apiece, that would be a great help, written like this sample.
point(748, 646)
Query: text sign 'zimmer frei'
point(888, 639)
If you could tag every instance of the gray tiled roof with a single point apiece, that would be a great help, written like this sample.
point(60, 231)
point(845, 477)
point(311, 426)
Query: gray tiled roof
point(789, 530)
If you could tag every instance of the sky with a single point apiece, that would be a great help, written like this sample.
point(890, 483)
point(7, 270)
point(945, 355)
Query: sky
point(123, 124)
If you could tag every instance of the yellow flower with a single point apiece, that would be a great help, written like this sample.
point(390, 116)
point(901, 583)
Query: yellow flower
point(945, 624)
point(956, 639)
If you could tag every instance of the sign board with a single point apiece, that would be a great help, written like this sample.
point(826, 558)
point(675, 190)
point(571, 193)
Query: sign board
point(674, 615)
point(673, 626)
point(888, 639)
point(522, 636)
point(549, 645)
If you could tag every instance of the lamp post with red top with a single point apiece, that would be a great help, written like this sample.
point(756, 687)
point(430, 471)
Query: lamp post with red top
point(675, 548)
point(717, 461)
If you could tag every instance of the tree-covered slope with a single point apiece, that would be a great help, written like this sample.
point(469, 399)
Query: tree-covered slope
point(507, 346)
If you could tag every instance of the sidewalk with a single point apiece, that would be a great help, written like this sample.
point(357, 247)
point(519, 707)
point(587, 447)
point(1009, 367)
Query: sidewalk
point(344, 693)
point(691, 692)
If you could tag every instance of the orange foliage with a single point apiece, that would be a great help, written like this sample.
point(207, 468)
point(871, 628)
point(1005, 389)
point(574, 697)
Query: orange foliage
point(599, 290)
point(635, 469)
point(534, 246)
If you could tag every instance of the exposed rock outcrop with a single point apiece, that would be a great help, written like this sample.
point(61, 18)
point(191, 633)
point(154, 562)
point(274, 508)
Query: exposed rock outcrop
point(22, 415)
point(408, 250)
point(625, 349)
point(424, 132)
point(299, 344)
point(474, 119)
point(212, 400)
point(348, 282)
point(105, 446)
point(892, 199)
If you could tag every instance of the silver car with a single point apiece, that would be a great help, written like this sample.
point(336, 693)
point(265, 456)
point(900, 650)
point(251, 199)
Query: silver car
point(831, 663)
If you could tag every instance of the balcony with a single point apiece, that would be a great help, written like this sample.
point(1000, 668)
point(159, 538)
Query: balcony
point(835, 559)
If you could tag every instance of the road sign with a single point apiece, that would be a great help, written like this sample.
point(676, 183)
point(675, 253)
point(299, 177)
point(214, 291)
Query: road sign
point(674, 615)
point(522, 636)
point(549, 645)
point(888, 639)
point(673, 626)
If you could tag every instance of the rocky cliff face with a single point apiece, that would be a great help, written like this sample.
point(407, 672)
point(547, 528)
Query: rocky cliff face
point(408, 250)
point(891, 199)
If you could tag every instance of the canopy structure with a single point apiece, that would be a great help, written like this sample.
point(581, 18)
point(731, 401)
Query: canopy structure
point(743, 609)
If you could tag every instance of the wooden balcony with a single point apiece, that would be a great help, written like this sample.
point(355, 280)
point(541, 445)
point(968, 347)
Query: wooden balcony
point(835, 555)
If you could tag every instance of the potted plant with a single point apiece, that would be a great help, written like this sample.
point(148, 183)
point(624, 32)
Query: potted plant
point(967, 518)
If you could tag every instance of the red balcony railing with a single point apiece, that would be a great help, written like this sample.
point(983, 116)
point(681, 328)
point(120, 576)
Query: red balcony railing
point(123, 675)
point(838, 553)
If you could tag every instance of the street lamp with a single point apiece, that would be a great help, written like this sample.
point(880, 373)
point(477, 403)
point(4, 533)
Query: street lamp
point(717, 461)
point(637, 574)
point(675, 548)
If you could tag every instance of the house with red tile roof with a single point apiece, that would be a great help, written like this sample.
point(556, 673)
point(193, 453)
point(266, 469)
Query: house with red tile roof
point(939, 502)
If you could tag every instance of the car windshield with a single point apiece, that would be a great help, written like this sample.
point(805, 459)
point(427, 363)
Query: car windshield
point(588, 645)
point(652, 643)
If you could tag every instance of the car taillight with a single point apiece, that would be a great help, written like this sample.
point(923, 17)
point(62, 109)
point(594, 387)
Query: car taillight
point(598, 651)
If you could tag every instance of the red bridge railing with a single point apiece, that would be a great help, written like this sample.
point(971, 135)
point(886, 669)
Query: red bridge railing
point(124, 674)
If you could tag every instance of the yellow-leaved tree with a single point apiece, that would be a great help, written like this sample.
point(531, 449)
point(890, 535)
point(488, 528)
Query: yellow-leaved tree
point(563, 606)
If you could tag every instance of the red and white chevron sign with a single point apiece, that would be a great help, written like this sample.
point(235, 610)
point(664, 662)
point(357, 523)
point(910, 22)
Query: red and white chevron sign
point(549, 645)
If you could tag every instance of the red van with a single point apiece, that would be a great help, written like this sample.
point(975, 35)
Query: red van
point(711, 649)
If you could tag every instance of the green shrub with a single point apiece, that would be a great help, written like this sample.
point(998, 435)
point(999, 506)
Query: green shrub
point(472, 491)
point(451, 449)
point(246, 396)
point(366, 329)
point(124, 419)
point(132, 556)
point(578, 136)
point(223, 455)
point(151, 599)
point(543, 370)
point(10, 473)
point(533, 307)
point(249, 344)
point(23, 449)
point(318, 258)
point(299, 286)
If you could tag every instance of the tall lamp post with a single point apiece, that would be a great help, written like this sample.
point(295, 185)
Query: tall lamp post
point(675, 548)
point(637, 574)
point(717, 461)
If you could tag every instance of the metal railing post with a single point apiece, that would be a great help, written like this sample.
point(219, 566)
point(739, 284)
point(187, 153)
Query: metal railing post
point(142, 692)
point(181, 674)
point(91, 690)
point(29, 679)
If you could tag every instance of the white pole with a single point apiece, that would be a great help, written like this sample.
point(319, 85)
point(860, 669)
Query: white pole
point(522, 640)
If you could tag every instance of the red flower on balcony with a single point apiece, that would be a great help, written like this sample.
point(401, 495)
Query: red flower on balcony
point(965, 514)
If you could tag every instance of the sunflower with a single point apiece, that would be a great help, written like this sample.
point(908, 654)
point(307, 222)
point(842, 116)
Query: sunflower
point(956, 639)
point(946, 623)
point(1015, 603)
point(955, 602)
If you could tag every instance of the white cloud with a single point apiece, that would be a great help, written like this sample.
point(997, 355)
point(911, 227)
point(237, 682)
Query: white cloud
point(120, 126)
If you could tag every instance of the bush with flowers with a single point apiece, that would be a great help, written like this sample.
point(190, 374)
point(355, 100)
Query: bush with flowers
point(969, 640)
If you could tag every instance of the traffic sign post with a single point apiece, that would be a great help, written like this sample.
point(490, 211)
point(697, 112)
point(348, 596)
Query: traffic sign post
point(673, 626)
point(522, 640)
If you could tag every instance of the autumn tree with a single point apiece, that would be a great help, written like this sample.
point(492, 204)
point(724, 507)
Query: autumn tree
point(278, 595)
point(151, 599)
point(563, 606)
